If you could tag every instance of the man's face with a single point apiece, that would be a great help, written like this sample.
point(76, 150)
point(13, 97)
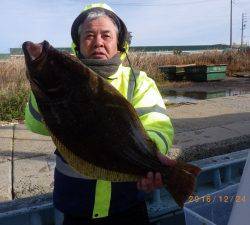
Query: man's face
point(98, 39)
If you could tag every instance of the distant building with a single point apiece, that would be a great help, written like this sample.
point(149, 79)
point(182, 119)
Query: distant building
point(191, 48)
point(19, 51)
point(15, 52)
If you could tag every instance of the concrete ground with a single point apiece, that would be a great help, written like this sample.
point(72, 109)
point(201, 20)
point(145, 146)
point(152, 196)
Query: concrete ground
point(231, 84)
point(211, 127)
point(206, 128)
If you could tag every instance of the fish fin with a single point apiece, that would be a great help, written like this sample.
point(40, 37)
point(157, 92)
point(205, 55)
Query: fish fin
point(181, 181)
point(90, 170)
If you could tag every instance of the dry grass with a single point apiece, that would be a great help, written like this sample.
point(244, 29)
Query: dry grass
point(12, 75)
point(236, 61)
point(14, 87)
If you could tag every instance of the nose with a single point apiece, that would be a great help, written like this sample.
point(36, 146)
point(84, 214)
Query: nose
point(99, 41)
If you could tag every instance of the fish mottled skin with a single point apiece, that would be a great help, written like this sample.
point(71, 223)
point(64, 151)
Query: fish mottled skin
point(97, 131)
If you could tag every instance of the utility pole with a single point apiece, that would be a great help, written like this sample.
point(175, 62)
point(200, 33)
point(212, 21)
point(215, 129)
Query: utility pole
point(243, 27)
point(231, 19)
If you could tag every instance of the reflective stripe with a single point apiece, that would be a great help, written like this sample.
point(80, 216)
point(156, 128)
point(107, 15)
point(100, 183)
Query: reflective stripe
point(131, 84)
point(156, 108)
point(102, 199)
point(66, 170)
point(161, 136)
point(102, 192)
point(34, 113)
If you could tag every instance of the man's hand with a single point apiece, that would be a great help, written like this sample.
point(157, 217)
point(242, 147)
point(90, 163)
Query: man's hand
point(154, 181)
point(151, 182)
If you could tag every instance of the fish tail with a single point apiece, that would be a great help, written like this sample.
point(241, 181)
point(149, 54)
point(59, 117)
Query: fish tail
point(180, 182)
point(195, 170)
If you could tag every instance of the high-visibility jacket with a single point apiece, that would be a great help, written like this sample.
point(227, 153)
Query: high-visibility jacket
point(77, 195)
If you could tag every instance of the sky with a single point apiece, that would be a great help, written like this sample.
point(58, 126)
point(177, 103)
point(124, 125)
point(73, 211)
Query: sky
point(152, 22)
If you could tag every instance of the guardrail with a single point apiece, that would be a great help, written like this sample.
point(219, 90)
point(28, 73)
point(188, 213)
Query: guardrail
point(217, 172)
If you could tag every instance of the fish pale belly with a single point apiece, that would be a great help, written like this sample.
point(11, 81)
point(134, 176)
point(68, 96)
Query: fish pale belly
point(90, 170)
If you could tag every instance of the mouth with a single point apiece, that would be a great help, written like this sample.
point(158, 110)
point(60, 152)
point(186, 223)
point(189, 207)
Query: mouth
point(98, 55)
point(32, 51)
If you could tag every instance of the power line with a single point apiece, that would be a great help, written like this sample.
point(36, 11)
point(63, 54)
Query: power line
point(137, 4)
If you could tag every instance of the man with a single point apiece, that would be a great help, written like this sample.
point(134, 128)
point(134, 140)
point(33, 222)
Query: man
point(100, 41)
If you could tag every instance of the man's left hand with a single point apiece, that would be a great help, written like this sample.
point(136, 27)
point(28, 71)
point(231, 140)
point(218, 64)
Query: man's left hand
point(153, 181)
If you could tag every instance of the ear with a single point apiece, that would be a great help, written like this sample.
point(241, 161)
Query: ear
point(124, 40)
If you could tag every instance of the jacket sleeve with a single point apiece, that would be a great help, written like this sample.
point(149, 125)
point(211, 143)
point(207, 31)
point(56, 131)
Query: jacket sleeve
point(33, 119)
point(151, 109)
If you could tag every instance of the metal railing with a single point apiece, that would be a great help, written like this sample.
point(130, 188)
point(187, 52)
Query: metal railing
point(217, 172)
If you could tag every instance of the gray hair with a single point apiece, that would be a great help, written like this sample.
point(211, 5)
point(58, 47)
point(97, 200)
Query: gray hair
point(95, 15)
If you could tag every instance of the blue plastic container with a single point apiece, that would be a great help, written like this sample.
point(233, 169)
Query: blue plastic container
point(212, 209)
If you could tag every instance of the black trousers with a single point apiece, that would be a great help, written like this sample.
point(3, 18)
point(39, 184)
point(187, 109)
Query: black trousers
point(136, 215)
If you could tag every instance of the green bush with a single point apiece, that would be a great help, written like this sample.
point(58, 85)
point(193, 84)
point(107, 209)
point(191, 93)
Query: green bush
point(12, 105)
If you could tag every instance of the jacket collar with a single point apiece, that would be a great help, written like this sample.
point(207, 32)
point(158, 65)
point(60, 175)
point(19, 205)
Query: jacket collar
point(116, 74)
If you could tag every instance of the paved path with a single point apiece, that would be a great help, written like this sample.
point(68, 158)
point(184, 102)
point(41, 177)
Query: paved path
point(207, 128)
point(211, 127)
point(26, 163)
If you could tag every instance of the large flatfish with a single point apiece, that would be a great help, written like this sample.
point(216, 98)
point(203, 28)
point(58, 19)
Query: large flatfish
point(97, 131)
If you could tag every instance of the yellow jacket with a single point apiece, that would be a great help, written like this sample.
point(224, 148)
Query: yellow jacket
point(145, 98)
